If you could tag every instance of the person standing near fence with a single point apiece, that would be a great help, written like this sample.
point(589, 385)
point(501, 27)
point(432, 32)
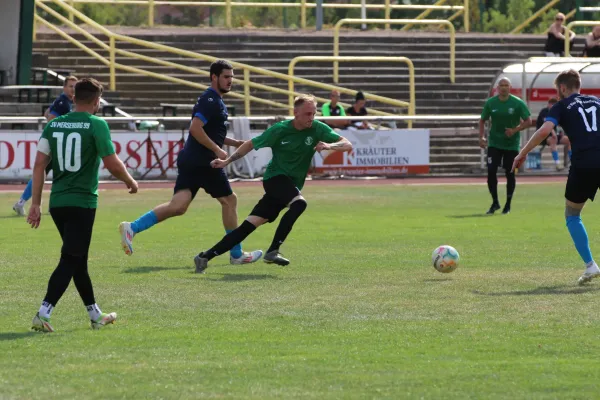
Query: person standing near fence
point(509, 115)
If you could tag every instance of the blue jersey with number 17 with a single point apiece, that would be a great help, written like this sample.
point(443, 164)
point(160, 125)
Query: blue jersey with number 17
point(579, 116)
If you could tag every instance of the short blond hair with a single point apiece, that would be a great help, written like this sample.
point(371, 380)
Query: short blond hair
point(304, 98)
point(570, 78)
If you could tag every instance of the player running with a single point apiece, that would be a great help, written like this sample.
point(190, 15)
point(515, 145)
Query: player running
point(73, 145)
point(61, 106)
point(578, 115)
point(293, 144)
point(510, 116)
point(208, 132)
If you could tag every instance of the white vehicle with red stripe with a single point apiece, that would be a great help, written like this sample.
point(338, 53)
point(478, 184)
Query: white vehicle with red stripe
point(538, 74)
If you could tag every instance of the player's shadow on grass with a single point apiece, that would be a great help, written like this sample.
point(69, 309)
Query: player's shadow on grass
point(437, 280)
point(543, 290)
point(462, 216)
point(241, 277)
point(148, 269)
point(17, 335)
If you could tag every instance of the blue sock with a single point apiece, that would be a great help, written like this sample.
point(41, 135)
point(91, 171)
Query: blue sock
point(144, 222)
point(236, 251)
point(570, 154)
point(580, 237)
point(555, 155)
point(28, 191)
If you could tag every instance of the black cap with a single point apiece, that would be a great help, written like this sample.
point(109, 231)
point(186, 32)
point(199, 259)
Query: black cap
point(359, 96)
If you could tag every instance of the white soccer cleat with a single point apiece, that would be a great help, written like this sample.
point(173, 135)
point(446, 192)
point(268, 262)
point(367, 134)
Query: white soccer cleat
point(104, 320)
point(126, 237)
point(588, 276)
point(247, 257)
point(41, 324)
point(19, 209)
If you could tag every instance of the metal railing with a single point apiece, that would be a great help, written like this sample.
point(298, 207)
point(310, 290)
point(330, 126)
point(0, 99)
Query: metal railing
point(535, 16)
point(336, 37)
point(113, 65)
point(568, 32)
point(407, 61)
point(302, 4)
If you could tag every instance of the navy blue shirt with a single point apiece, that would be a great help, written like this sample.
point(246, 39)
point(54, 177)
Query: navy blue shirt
point(61, 106)
point(211, 110)
point(579, 116)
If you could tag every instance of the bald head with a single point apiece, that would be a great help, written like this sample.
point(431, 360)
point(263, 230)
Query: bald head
point(334, 97)
point(504, 87)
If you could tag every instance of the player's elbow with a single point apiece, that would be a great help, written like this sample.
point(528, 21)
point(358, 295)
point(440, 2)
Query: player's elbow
point(113, 164)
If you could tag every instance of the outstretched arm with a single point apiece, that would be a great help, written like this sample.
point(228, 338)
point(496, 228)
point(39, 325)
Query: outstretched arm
point(244, 149)
point(535, 140)
point(341, 145)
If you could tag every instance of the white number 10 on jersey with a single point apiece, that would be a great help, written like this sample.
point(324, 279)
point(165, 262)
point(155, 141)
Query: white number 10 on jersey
point(70, 160)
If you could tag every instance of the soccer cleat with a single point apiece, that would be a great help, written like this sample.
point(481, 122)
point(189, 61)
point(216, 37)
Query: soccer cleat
point(19, 209)
point(588, 275)
point(104, 320)
point(246, 258)
point(275, 257)
point(126, 237)
point(506, 210)
point(41, 324)
point(493, 208)
point(201, 264)
point(559, 167)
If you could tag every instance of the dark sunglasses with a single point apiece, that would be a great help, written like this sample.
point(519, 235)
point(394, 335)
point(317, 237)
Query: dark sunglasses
point(560, 19)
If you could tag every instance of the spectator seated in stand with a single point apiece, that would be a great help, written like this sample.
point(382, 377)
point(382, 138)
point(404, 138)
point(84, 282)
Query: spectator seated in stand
point(334, 109)
point(555, 43)
point(592, 43)
point(358, 110)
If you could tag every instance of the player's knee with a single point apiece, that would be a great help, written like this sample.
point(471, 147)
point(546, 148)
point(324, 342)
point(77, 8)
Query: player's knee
point(572, 211)
point(178, 210)
point(299, 205)
point(228, 201)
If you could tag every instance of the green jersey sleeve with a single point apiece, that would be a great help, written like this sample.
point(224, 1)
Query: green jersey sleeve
point(268, 138)
point(326, 134)
point(104, 144)
point(525, 113)
point(485, 114)
point(326, 110)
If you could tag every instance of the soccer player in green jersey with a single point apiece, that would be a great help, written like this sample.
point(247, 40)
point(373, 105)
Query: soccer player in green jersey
point(74, 144)
point(293, 143)
point(510, 116)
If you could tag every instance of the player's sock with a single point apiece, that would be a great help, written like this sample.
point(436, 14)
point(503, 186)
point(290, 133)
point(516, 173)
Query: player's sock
point(580, 237)
point(144, 222)
point(555, 156)
point(231, 239)
point(236, 251)
point(511, 184)
point(570, 154)
point(27, 192)
point(46, 309)
point(94, 311)
point(492, 182)
point(286, 224)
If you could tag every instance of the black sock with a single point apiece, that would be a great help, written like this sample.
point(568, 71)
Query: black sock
point(492, 182)
point(511, 184)
point(231, 239)
point(286, 224)
point(60, 278)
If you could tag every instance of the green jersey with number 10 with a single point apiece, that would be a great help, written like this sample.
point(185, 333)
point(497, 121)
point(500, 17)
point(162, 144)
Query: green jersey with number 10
point(76, 142)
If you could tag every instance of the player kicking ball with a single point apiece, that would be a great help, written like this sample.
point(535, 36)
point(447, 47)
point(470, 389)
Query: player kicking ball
point(293, 143)
point(578, 115)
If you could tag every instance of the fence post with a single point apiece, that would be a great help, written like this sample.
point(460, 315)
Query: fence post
point(247, 92)
point(71, 17)
point(228, 13)
point(151, 13)
point(387, 13)
point(113, 83)
point(303, 14)
point(319, 15)
point(466, 16)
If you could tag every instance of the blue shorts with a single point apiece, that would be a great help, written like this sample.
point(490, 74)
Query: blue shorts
point(213, 180)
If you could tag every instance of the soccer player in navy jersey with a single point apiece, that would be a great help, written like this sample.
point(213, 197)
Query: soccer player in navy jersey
point(208, 135)
point(578, 115)
point(61, 106)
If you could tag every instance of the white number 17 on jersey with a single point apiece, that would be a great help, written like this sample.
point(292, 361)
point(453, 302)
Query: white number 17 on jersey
point(591, 110)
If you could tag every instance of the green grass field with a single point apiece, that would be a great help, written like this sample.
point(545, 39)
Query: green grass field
point(360, 313)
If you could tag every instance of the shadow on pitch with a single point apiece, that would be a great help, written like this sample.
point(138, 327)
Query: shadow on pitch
point(17, 335)
point(543, 290)
point(437, 280)
point(148, 269)
point(240, 277)
point(462, 216)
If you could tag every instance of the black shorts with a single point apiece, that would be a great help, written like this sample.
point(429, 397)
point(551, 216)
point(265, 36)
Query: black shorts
point(75, 225)
point(497, 157)
point(280, 190)
point(213, 180)
point(582, 184)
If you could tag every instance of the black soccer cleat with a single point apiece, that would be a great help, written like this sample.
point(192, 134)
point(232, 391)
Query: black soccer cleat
point(275, 257)
point(506, 210)
point(493, 208)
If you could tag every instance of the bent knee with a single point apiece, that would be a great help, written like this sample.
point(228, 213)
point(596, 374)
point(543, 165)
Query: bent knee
point(228, 201)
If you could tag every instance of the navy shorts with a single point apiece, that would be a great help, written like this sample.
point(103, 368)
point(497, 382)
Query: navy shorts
point(213, 180)
point(582, 184)
point(280, 190)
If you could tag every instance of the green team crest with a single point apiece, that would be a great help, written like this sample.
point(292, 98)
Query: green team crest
point(309, 140)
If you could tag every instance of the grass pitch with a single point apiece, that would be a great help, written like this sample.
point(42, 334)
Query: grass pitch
point(360, 312)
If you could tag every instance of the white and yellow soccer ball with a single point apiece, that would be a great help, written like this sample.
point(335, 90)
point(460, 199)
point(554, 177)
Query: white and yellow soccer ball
point(445, 258)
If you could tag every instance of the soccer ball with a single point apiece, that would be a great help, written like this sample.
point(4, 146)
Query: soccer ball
point(445, 258)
